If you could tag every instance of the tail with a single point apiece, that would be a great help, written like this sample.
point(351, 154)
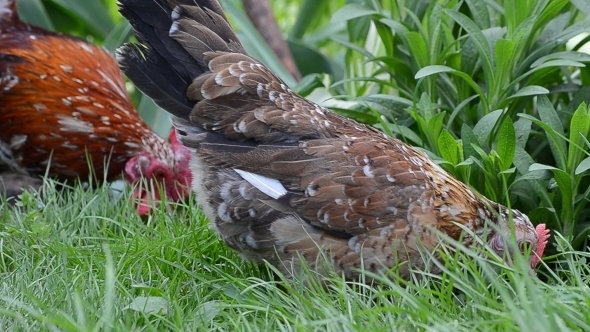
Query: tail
point(174, 36)
point(190, 62)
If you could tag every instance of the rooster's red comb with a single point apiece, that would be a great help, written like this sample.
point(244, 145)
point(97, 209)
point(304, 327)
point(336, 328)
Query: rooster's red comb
point(543, 235)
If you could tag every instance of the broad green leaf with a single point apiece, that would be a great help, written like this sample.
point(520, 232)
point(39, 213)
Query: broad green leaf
point(522, 127)
point(387, 104)
point(547, 11)
point(308, 84)
point(309, 12)
point(516, 11)
point(386, 35)
point(559, 63)
point(556, 141)
point(480, 13)
point(486, 125)
point(551, 63)
point(582, 5)
point(541, 167)
point(309, 60)
point(573, 30)
point(504, 57)
point(566, 55)
point(435, 32)
point(352, 11)
point(469, 57)
point(565, 185)
point(437, 69)
point(583, 166)
point(431, 70)
point(534, 175)
point(458, 109)
point(358, 29)
point(93, 12)
point(506, 143)
point(448, 147)
point(418, 48)
point(383, 123)
point(322, 33)
point(426, 108)
point(522, 162)
point(509, 171)
point(466, 162)
point(406, 133)
point(34, 12)
point(482, 158)
point(469, 140)
point(209, 310)
point(521, 37)
point(117, 36)
point(150, 305)
point(579, 127)
point(153, 115)
point(549, 117)
point(396, 26)
point(435, 125)
point(531, 90)
point(481, 43)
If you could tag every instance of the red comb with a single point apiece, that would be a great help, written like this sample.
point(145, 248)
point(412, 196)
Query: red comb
point(172, 136)
point(543, 235)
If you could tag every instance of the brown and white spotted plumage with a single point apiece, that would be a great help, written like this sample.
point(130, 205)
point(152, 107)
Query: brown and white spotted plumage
point(64, 103)
point(280, 176)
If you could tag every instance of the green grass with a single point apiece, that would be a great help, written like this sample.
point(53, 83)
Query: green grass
point(84, 261)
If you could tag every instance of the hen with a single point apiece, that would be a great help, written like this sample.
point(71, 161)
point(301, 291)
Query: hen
point(281, 177)
point(64, 104)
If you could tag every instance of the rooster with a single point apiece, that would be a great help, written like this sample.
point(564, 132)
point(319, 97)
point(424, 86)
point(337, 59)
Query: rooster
point(282, 178)
point(64, 106)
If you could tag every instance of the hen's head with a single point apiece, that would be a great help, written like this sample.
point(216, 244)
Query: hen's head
point(530, 240)
point(153, 176)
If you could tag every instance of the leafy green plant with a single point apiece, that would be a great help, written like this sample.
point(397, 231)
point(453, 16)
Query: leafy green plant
point(489, 89)
point(565, 197)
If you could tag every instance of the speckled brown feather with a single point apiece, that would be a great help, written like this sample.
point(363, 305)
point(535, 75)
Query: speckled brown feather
point(351, 193)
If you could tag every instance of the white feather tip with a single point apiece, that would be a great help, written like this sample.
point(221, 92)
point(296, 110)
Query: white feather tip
point(271, 187)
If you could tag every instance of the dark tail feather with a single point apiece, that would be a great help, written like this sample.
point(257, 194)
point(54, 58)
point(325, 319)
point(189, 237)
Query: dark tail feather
point(173, 35)
point(151, 23)
point(148, 73)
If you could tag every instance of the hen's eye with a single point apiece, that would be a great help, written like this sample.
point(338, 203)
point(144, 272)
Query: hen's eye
point(159, 173)
point(525, 247)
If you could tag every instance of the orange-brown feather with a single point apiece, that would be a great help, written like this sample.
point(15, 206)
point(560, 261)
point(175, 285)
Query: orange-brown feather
point(68, 98)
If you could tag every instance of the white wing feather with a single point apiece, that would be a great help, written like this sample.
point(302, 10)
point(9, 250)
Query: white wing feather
point(269, 186)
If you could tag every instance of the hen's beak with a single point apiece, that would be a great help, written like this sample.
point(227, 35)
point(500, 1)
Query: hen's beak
point(146, 199)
